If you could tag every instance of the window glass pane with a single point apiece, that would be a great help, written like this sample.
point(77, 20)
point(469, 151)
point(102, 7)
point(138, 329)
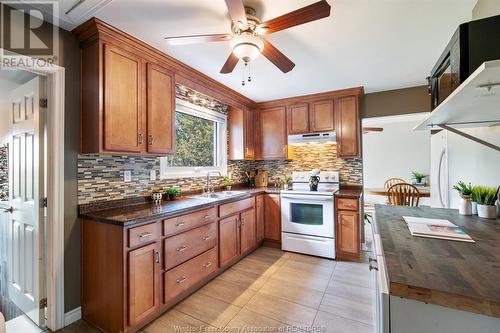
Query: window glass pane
point(195, 141)
point(307, 213)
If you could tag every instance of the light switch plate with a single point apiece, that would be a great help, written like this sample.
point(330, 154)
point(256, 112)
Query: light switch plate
point(127, 176)
point(152, 175)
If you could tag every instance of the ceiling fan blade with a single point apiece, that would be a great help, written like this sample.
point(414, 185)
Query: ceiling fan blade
point(277, 58)
point(231, 62)
point(316, 11)
point(237, 12)
point(193, 39)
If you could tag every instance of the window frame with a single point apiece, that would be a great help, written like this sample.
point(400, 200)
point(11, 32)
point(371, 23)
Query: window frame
point(170, 172)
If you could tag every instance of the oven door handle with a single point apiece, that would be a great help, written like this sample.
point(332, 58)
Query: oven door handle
point(307, 197)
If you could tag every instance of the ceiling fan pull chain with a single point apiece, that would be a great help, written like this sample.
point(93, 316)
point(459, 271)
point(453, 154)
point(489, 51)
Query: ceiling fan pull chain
point(249, 76)
point(243, 74)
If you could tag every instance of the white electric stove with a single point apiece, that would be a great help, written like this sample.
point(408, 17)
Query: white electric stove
point(307, 217)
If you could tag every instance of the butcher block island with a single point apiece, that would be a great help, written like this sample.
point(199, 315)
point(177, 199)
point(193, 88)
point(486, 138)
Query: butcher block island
point(435, 285)
point(139, 260)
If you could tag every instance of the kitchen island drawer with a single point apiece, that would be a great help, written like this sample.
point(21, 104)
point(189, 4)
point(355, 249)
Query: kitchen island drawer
point(180, 248)
point(189, 221)
point(235, 207)
point(183, 277)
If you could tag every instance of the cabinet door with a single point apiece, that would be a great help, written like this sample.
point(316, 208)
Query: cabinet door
point(259, 217)
point(298, 118)
point(247, 230)
point(348, 241)
point(272, 133)
point(229, 232)
point(143, 283)
point(123, 101)
point(248, 130)
point(322, 117)
point(272, 227)
point(348, 128)
point(161, 110)
point(236, 122)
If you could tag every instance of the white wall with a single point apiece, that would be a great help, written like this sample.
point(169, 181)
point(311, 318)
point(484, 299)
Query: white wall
point(486, 8)
point(471, 162)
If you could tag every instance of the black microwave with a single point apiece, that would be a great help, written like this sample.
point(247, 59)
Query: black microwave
point(472, 44)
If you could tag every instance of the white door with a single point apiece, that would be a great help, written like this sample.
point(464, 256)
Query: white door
point(439, 170)
point(26, 191)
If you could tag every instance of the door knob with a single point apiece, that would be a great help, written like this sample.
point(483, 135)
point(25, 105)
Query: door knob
point(9, 210)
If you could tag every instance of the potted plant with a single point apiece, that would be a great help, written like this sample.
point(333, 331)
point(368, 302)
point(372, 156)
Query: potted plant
point(173, 193)
point(288, 181)
point(473, 196)
point(486, 197)
point(227, 182)
point(465, 191)
point(418, 177)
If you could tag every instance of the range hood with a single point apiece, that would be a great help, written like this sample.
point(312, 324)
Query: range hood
point(324, 137)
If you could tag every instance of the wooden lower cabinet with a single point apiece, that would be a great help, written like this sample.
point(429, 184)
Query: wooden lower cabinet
point(272, 218)
point(259, 217)
point(143, 283)
point(131, 275)
point(348, 241)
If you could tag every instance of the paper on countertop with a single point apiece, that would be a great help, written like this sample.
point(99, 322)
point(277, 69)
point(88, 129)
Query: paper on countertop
point(436, 228)
point(426, 220)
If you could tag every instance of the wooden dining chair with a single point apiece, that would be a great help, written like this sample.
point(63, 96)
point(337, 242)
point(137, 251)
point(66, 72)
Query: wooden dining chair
point(393, 181)
point(403, 195)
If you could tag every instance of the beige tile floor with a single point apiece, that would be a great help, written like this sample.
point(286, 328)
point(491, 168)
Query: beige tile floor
point(270, 290)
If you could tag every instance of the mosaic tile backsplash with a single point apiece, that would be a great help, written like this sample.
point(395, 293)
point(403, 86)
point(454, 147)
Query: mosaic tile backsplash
point(4, 174)
point(100, 177)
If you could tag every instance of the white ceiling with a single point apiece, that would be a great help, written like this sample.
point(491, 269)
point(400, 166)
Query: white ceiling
point(378, 44)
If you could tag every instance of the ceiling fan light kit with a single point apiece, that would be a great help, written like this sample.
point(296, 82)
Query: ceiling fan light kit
point(247, 37)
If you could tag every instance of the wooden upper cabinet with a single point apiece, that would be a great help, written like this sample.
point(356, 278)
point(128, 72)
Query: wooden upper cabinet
point(272, 133)
point(348, 127)
point(143, 283)
point(241, 134)
point(272, 209)
point(160, 89)
point(123, 110)
point(298, 118)
point(321, 116)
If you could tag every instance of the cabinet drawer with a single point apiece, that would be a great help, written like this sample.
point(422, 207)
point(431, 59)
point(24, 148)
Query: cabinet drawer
point(235, 207)
point(189, 221)
point(142, 235)
point(183, 277)
point(347, 204)
point(180, 248)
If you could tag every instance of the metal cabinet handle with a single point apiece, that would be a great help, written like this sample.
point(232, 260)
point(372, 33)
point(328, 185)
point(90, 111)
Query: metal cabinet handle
point(284, 149)
point(181, 280)
point(9, 210)
point(246, 150)
point(144, 234)
point(182, 248)
point(157, 256)
point(150, 139)
point(242, 221)
point(370, 260)
point(206, 217)
point(181, 224)
point(208, 264)
point(206, 238)
point(140, 139)
point(371, 267)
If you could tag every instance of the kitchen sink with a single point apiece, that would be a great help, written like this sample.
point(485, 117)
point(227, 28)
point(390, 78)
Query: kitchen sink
point(219, 195)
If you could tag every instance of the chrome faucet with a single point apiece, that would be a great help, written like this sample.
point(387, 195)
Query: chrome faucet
point(208, 179)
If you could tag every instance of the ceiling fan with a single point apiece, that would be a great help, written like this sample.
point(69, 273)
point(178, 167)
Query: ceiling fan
point(247, 38)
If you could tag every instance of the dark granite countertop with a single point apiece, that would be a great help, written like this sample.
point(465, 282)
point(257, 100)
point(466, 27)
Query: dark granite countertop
point(138, 213)
point(349, 193)
point(449, 273)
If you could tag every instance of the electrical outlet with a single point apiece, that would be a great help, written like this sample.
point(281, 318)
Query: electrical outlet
point(152, 175)
point(127, 176)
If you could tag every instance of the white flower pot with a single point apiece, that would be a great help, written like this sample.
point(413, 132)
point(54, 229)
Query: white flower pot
point(474, 207)
point(465, 206)
point(487, 212)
